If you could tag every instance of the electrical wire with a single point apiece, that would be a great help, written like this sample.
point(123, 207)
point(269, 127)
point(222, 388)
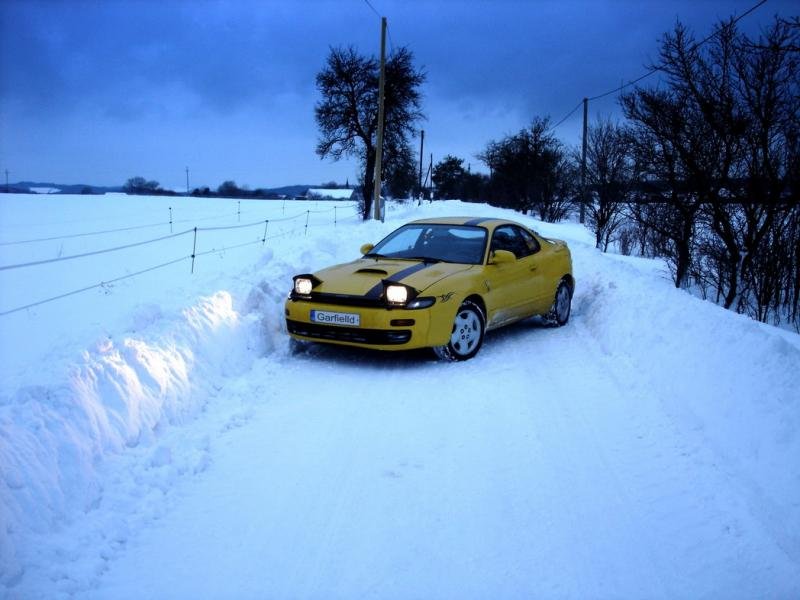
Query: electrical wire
point(391, 41)
point(91, 287)
point(94, 253)
point(223, 228)
point(568, 115)
point(121, 229)
point(77, 235)
point(373, 9)
point(261, 240)
point(658, 68)
point(143, 271)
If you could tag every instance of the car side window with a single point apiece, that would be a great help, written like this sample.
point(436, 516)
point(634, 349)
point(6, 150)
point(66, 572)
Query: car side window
point(531, 243)
point(503, 239)
point(515, 240)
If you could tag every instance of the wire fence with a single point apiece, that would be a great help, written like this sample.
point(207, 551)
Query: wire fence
point(193, 256)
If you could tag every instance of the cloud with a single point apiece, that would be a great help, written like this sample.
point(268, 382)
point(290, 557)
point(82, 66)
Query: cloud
point(165, 68)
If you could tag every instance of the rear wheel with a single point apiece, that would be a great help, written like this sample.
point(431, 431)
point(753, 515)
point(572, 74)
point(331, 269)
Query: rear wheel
point(562, 305)
point(467, 334)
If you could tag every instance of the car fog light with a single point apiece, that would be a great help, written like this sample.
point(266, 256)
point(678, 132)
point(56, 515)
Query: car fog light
point(396, 294)
point(303, 286)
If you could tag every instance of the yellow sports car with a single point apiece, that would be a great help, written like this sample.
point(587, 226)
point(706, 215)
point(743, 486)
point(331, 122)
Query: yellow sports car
point(435, 283)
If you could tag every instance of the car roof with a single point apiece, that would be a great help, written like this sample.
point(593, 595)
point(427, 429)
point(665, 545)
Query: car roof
point(482, 221)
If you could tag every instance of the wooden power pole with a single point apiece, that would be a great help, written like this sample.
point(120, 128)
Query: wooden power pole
point(421, 148)
point(583, 160)
point(379, 142)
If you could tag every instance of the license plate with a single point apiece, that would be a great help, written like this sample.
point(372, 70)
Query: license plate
point(336, 318)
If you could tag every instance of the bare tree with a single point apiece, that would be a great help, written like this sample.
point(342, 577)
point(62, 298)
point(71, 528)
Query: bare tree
point(720, 147)
point(664, 137)
point(610, 175)
point(347, 115)
point(531, 172)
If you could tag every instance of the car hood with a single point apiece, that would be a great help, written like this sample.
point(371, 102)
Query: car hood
point(361, 276)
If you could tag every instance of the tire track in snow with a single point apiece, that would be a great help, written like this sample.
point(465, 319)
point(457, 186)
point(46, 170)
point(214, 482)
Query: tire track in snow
point(678, 496)
point(545, 468)
point(605, 528)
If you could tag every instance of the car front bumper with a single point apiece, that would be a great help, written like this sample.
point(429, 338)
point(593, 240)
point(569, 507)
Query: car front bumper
point(379, 328)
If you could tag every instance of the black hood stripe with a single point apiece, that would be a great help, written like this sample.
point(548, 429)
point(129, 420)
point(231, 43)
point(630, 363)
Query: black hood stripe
point(376, 291)
point(476, 221)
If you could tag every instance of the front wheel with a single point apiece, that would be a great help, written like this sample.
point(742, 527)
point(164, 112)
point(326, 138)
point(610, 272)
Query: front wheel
point(467, 335)
point(562, 305)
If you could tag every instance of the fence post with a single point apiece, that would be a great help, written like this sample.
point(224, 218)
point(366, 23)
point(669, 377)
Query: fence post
point(264, 240)
point(194, 248)
point(308, 212)
point(170, 219)
point(239, 211)
point(334, 216)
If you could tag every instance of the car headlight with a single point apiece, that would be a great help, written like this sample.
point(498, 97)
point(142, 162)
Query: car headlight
point(396, 294)
point(303, 285)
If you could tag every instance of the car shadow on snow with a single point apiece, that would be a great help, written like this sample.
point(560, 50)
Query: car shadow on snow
point(347, 355)
point(520, 332)
point(495, 341)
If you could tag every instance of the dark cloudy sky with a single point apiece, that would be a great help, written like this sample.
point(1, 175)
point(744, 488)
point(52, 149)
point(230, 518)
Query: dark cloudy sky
point(100, 91)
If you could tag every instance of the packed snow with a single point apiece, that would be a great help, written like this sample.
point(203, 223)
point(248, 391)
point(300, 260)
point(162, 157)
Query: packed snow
point(159, 439)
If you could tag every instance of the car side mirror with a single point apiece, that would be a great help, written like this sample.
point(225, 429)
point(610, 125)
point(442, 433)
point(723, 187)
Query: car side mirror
point(499, 257)
point(367, 248)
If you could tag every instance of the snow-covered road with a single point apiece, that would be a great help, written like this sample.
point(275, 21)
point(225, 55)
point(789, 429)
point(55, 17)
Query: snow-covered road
point(551, 472)
point(646, 450)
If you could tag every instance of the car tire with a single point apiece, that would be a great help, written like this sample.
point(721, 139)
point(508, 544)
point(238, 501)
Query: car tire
point(562, 305)
point(469, 327)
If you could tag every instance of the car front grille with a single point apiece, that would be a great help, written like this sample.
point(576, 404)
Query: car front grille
point(376, 337)
point(341, 300)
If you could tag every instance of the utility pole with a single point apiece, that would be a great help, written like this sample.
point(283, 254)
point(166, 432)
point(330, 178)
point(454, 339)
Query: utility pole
point(430, 172)
point(421, 147)
point(379, 142)
point(187, 181)
point(583, 159)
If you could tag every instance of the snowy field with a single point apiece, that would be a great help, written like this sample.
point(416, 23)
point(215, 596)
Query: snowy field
point(159, 440)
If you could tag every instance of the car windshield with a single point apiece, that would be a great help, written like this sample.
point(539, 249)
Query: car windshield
point(434, 242)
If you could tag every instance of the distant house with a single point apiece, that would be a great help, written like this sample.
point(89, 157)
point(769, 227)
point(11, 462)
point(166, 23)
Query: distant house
point(329, 194)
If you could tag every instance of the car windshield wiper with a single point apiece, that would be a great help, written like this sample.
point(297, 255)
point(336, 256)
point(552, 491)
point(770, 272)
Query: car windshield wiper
point(425, 259)
point(375, 255)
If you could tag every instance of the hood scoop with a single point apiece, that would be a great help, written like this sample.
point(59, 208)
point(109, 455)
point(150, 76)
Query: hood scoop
point(372, 271)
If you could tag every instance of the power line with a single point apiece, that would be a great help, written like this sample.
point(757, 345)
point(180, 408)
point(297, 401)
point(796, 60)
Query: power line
point(159, 239)
point(135, 227)
point(77, 235)
point(85, 254)
point(159, 266)
point(379, 15)
point(568, 115)
point(91, 287)
point(391, 42)
point(659, 68)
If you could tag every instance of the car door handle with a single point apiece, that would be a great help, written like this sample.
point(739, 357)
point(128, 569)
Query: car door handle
point(533, 268)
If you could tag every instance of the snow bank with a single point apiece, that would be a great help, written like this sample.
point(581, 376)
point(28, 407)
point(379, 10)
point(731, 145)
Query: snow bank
point(115, 396)
point(730, 380)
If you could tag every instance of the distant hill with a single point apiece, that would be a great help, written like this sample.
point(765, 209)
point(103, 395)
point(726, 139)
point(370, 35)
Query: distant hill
point(23, 187)
point(74, 188)
point(290, 191)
